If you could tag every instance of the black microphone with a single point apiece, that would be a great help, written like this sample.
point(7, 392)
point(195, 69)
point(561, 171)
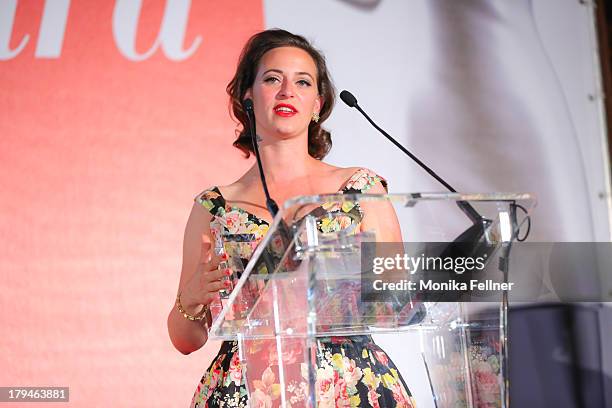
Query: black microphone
point(470, 211)
point(270, 203)
point(470, 243)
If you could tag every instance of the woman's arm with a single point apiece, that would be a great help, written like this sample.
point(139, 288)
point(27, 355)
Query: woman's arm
point(188, 336)
point(380, 217)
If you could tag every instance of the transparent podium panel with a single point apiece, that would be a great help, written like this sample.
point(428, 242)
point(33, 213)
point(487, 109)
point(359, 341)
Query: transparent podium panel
point(464, 358)
point(335, 270)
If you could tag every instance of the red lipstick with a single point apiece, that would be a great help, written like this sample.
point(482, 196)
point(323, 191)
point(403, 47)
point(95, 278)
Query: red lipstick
point(285, 110)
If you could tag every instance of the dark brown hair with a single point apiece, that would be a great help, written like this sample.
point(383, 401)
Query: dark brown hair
point(319, 139)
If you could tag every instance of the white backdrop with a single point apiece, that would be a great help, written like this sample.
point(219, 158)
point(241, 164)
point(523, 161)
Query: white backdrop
point(494, 95)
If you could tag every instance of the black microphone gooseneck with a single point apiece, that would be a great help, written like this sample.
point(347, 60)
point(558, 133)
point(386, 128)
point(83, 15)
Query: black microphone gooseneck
point(470, 243)
point(283, 231)
point(270, 203)
point(470, 211)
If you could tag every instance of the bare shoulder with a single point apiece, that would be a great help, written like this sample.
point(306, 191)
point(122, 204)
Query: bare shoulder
point(345, 173)
point(358, 177)
point(339, 174)
point(201, 211)
point(365, 180)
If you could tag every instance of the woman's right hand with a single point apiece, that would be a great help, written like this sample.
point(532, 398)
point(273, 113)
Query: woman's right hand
point(206, 282)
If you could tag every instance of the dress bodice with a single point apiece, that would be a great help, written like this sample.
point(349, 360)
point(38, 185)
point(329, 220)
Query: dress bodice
point(332, 216)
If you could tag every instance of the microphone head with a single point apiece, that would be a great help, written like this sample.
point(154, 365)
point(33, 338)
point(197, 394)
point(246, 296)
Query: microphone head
point(248, 104)
point(348, 98)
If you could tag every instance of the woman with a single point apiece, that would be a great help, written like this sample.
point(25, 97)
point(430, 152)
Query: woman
point(287, 80)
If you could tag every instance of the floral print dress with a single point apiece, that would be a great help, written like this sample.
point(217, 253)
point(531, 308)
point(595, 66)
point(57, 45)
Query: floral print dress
point(351, 371)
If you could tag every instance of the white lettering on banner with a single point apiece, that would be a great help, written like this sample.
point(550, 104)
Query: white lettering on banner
point(50, 34)
point(171, 34)
point(125, 27)
point(8, 9)
point(52, 29)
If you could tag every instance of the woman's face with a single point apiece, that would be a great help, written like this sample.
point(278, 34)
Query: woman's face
point(285, 93)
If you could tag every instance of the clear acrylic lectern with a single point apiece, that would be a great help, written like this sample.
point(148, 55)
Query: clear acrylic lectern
point(336, 266)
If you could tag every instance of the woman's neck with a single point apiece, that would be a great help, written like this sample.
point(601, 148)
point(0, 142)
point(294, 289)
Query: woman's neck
point(286, 160)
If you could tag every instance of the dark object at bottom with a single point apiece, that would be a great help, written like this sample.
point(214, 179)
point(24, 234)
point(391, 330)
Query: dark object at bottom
point(560, 356)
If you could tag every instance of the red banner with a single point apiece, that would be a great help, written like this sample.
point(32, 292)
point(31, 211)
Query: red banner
point(114, 115)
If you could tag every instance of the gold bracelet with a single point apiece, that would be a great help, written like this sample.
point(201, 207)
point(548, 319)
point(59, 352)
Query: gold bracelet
point(194, 318)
